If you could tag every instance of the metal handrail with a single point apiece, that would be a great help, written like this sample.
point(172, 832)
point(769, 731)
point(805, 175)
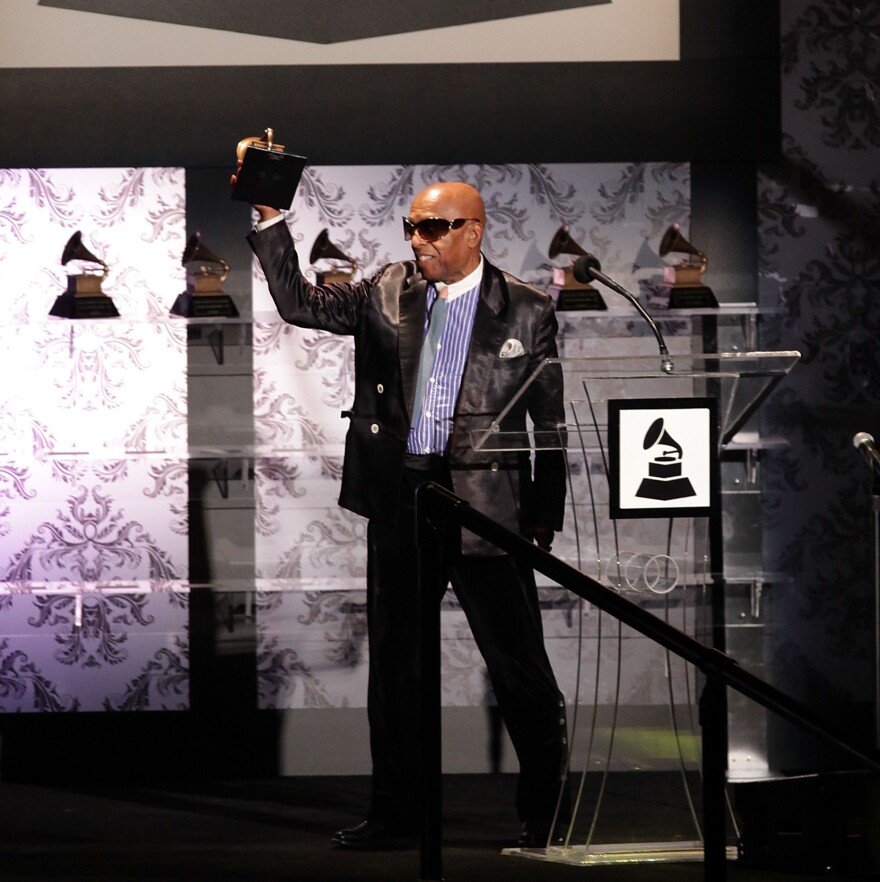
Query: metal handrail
point(437, 512)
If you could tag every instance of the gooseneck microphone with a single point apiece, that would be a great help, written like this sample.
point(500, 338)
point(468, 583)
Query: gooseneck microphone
point(587, 269)
point(864, 443)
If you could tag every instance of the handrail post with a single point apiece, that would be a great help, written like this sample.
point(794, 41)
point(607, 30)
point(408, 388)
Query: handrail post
point(431, 534)
point(713, 722)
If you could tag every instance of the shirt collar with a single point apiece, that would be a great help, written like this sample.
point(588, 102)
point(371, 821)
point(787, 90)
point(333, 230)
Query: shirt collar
point(470, 281)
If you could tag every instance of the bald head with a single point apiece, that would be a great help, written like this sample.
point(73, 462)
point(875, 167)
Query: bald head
point(457, 253)
point(455, 198)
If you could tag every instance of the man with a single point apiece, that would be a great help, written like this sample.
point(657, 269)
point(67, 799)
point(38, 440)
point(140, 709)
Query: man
point(442, 343)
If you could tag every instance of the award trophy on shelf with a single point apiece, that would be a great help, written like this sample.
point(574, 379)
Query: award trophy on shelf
point(266, 174)
point(572, 293)
point(84, 297)
point(324, 249)
point(687, 290)
point(204, 295)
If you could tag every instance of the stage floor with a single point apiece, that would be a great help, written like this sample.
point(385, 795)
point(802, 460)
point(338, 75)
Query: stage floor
point(279, 828)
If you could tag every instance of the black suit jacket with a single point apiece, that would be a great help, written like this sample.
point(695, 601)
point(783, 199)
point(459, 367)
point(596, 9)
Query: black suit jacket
point(385, 314)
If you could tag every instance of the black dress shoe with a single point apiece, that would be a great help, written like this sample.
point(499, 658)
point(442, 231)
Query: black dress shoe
point(373, 835)
point(536, 834)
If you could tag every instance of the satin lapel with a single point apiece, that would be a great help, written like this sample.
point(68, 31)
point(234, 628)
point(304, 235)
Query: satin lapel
point(409, 341)
point(486, 339)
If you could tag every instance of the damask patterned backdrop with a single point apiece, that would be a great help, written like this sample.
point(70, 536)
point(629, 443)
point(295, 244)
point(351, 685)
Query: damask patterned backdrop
point(93, 446)
point(819, 252)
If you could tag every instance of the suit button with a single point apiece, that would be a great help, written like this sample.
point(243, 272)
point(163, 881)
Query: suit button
point(380, 388)
point(375, 428)
point(494, 466)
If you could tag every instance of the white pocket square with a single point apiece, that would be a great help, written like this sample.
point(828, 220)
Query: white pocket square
point(511, 349)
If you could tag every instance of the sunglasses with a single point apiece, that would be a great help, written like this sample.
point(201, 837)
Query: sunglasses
point(430, 229)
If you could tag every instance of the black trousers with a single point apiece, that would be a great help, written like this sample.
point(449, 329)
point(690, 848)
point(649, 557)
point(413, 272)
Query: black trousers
point(500, 600)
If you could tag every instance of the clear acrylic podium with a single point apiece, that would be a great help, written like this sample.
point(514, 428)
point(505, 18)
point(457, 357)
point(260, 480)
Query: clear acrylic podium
point(673, 551)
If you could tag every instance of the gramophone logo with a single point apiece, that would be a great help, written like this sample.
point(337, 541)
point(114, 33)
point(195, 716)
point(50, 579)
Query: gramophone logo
point(662, 457)
point(665, 479)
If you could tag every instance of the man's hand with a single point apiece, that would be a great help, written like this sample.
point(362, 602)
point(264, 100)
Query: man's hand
point(543, 536)
point(266, 212)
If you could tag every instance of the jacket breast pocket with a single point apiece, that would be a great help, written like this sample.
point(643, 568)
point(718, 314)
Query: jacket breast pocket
point(508, 374)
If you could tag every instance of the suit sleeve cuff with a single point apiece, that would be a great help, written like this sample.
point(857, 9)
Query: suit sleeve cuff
point(259, 226)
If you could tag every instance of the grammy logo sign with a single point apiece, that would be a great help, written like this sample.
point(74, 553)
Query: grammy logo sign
point(84, 297)
point(664, 480)
point(663, 457)
point(688, 290)
point(204, 295)
point(266, 174)
point(572, 293)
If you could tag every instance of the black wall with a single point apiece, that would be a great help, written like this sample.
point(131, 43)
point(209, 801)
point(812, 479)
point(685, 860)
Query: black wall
point(719, 103)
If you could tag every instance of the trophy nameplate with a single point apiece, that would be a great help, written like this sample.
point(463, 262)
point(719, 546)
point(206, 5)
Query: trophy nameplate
point(573, 299)
point(189, 304)
point(76, 304)
point(691, 297)
point(267, 175)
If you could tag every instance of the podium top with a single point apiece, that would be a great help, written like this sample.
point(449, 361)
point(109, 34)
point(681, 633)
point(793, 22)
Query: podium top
point(739, 380)
point(707, 365)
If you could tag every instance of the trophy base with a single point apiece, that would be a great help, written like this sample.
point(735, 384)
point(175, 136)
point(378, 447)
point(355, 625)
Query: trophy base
point(83, 306)
point(190, 305)
point(691, 297)
point(571, 299)
point(268, 177)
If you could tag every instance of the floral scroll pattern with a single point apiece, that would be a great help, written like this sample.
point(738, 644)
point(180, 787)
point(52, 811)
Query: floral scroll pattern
point(818, 234)
point(93, 476)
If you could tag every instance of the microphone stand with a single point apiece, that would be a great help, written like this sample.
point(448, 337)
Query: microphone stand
point(864, 443)
point(875, 506)
point(588, 268)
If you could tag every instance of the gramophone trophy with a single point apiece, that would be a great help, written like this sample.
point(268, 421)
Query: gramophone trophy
point(573, 294)
point(688, 290)
point(266, 174)
point(324, 249)
point(204, 295)
point(84, 297)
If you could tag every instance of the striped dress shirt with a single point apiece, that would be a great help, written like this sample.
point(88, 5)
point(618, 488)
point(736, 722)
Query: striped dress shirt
point(442, 364)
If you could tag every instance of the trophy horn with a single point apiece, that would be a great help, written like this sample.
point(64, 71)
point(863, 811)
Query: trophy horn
point(196, 250)
point(657, 434)
point(562, 243)
point(673, 240)
point(324, 249)
point(75, 250)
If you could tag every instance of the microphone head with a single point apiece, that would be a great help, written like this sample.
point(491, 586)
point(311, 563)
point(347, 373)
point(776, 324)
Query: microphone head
point(861, 438)
point(583, 266)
